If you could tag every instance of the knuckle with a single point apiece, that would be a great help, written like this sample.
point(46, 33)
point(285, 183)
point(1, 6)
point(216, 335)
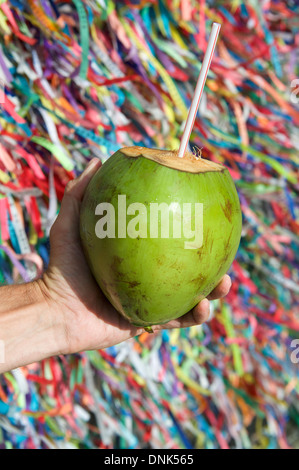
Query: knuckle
point(70, 186)
point(200, 314)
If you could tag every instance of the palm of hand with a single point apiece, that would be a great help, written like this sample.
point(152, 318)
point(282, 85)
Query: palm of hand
point(91, 322)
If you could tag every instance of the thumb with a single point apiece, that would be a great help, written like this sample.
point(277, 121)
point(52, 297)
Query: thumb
point(76, 188)
point(66, 226)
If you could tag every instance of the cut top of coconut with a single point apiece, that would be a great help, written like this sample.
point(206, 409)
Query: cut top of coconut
point(189, 163)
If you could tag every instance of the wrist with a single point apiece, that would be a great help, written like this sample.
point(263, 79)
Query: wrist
point(55, 314)
point(31, 328)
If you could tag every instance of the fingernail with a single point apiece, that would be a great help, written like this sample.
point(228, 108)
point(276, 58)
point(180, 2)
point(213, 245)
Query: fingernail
point(211, 312)
point(226, 276)
point(205, 304)
point(93, 162)
point(205, 308)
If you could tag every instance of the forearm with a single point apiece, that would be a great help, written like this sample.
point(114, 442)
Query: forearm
point(30, 328)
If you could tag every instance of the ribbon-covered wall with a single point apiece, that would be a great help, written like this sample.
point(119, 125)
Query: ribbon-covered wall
point(80, 79)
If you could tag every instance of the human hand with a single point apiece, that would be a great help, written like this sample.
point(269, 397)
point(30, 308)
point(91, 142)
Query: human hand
point(89, 320)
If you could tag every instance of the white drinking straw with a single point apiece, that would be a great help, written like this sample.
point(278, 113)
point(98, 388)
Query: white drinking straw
point(199, 88)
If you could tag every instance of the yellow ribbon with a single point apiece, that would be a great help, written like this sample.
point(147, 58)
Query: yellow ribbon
point(179, 103)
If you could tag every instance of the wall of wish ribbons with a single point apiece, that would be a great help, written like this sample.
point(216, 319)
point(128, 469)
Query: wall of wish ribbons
point(80, 79)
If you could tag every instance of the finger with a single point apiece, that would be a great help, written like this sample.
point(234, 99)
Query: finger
point(76, 188)
point(222, 289)
point(198, 315)
point(67, 220)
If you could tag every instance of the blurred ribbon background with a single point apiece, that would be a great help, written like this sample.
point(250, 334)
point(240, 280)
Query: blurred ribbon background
point(80, 79)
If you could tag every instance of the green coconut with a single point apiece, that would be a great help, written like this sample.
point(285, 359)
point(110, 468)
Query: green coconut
point(159, 231)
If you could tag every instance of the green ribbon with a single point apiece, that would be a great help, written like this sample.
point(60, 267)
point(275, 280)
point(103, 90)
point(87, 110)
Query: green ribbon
point(84, 37)
point(58, 153)
point(255, 153)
